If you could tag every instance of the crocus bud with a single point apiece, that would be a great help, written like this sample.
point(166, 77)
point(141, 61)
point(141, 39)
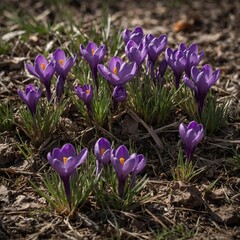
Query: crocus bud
point(191, 135)
point(136, 35)
point(30, 97)
point(102, 151)
point(119, 93)
point(94, 55)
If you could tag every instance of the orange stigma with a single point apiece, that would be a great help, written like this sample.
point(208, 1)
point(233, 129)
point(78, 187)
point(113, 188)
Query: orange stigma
point(61, 61)
point(102, 151)
point(93, 51)
point(65, 160)
point(115, 71)
point(87, 91)
point(121, 160)
point(43, 66)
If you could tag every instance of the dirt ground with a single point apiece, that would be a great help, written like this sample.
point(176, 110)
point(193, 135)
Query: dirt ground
point(209, 208)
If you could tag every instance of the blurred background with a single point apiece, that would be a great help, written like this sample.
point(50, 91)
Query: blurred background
point(40, 25)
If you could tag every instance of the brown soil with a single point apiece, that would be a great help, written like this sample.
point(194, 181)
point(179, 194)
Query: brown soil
point(209, 212)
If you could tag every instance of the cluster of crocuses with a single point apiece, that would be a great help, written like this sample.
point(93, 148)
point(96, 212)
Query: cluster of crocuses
point(181, 60)
point(44, 71)
point(185, 59)
point(65, 161)
point(138, 48)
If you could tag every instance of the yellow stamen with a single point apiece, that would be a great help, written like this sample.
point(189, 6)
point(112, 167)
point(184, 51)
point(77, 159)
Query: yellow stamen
point(102, 151)
point(61, 61)
point(87, 91)
point(43, 66)
point(65, 160)
point(115, 71)
point(121, 160)
point(93, 51)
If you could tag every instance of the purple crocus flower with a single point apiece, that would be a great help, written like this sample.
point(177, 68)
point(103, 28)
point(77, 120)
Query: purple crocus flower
point(161, 71)
point(102, 151)
point(136, 52)
point(136, 35)
point(94, 55)
point(30, 97)
point(147, 39)
point(191, 135)
point(202, 81)
point(140, 164)
point(183, 59)
point(62, 64)
point(65, 161)
point(177, 61)
point(119, 93)
point(192, 56)
point(156, 46)
point(118, 72)
point(43, 70)
point(85, 93)
point(158, 74)
point(123, 164)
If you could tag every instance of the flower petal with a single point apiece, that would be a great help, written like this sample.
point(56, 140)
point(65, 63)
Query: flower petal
point(31, 70)
point(81, 157)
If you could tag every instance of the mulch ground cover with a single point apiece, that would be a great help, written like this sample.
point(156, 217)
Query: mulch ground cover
point(206, 208)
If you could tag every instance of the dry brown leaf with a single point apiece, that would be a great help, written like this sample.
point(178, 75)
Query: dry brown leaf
point(182, 25)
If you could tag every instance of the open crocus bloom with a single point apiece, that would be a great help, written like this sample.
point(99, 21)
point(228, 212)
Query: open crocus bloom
point(30, 97)
point(191, 135)
point(62, 64)
point(43, 70)
point(93, 54)
point(118, 72)
point(202, 81)
point(65, 161)
point(123, 164)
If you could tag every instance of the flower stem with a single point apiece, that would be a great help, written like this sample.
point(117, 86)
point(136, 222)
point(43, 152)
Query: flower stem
point(48, 92)
point(66, 184)
point(121, 184)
